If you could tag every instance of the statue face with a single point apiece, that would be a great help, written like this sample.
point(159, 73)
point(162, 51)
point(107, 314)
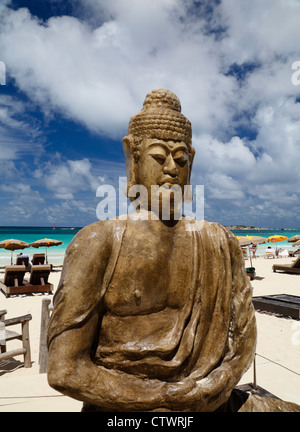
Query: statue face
point(163, 163)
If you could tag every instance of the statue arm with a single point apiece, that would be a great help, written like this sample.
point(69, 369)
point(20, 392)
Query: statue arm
point(72, 372)
point(212, 391)
point(78, 306)
point(241, 342)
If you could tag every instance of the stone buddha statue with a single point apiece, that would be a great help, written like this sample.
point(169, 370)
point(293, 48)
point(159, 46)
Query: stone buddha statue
point(154, 313)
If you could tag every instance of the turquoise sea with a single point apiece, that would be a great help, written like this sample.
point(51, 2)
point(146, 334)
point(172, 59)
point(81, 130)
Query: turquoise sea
point(66, 234)
point(268, 233)
point(31, 234)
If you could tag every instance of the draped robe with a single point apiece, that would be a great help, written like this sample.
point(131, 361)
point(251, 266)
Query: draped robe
point(214, 329)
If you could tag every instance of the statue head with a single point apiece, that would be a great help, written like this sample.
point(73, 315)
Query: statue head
point(158, 147)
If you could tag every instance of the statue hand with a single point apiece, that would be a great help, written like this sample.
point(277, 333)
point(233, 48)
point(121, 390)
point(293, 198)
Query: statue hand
point(179, 393)
point(203, 395)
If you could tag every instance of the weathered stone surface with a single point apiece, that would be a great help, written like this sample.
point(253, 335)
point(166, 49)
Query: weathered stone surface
point(155, 314)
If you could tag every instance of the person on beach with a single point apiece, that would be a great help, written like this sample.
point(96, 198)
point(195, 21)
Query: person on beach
point(253, 250)
point(21, 255)
point(154, 313)
point(270, 249)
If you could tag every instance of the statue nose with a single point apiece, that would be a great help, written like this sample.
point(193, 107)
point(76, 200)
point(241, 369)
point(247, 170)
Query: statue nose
point(170, 166)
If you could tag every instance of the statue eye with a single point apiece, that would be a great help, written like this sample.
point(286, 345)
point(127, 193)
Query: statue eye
point(181, 160)
point(159, 158)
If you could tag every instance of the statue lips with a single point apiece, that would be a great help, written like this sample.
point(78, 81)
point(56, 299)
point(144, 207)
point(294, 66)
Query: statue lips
point(168, 182)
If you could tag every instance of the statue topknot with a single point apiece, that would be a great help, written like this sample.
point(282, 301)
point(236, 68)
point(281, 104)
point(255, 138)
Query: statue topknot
point(161, 118)
point(163, 99)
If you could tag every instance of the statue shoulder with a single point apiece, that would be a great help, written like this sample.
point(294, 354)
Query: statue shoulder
point(97, 234)
point(88, 265)
point(221, 228)
point(216, 230)
point(211, 226)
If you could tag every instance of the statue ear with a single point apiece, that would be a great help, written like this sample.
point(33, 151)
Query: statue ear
point(188, 195)
point(131, 165)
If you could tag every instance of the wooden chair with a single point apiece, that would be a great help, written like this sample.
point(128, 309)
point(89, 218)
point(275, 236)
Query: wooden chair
point(15, 284)
point(39, 274)
point(8, 335)
point(47, 308)
point(23, 261)
point(38, 258)
point(14, 275)
point(270, 255)
point(293, 268)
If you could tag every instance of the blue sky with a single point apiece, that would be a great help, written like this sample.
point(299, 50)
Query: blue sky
point(76, 71)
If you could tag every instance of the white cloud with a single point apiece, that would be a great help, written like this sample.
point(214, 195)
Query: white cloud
point(259, 31)
point(233, 157)
point(22, 203)
point(224, 187)
point(99, 76)
point(8, 170)
point(72, 196)
point(97, 71)
point(66, 179)
point(61, 67)
point(19, 135)
point(279, 140)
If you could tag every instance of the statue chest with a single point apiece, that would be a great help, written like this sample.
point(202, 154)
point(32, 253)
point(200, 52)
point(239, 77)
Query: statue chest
point(152, 272)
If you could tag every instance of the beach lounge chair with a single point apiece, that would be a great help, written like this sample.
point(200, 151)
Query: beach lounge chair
point(14, 275)
point(24, 261)
point(8, 335)
point(15, 284)
point(288, 268)
point(38, 258)
point(39, 274)
point(283, 253)
point(270, 254)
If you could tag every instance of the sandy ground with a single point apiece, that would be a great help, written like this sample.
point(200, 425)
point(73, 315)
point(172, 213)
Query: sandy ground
point(277, 359)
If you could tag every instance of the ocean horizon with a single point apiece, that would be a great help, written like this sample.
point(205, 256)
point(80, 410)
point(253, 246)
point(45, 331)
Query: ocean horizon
point(30, 234)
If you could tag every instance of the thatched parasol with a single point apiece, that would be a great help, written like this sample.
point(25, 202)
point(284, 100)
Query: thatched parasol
point(12, 245)
point(46, 243)
point(294, 238)
point(257, 239)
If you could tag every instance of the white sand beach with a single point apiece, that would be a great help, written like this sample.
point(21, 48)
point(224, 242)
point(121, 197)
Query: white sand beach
point(277, 360)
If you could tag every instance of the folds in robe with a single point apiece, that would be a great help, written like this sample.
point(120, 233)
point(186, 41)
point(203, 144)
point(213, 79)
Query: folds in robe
point(215, 327)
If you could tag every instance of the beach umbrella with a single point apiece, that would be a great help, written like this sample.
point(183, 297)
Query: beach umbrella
point(276, 238)
point(257, 239)
point(12, 245)
point(244, 241)
point(294, 238)
point(297, 243)
point(45, 242)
